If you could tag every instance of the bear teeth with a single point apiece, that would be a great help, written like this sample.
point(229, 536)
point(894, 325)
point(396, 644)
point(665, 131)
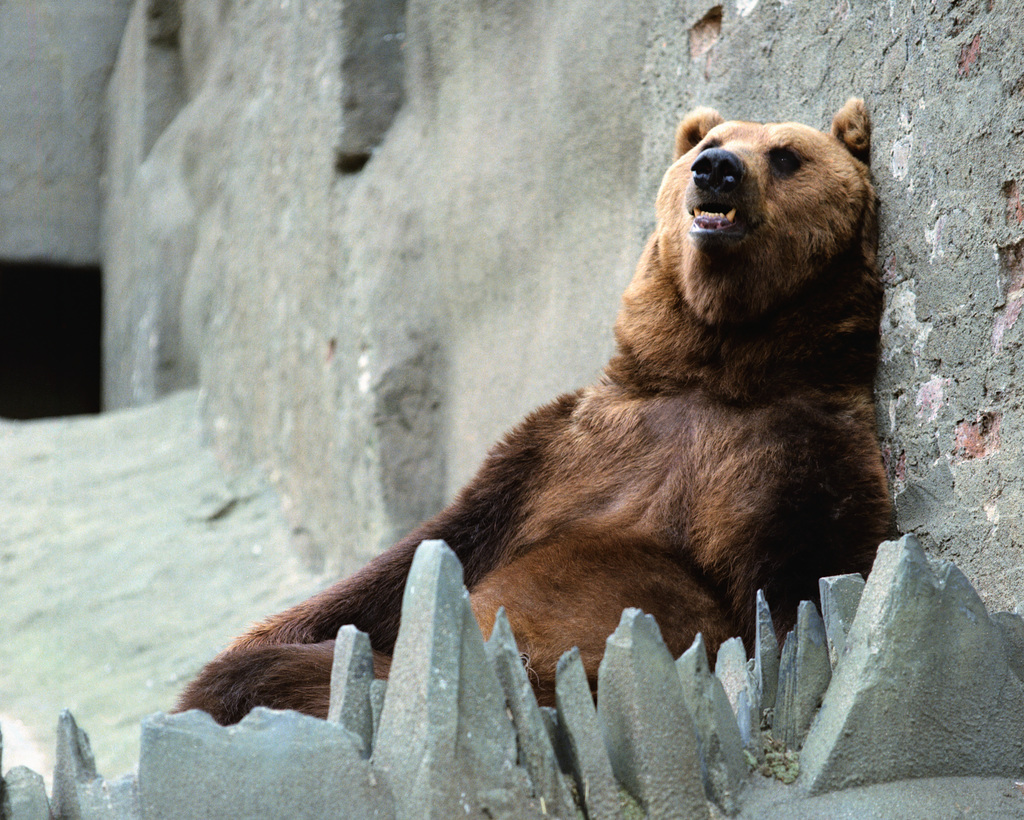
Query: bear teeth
point(731, 216)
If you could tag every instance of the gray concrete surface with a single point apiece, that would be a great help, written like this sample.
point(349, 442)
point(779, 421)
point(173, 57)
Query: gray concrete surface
point(55, 60)
point(127, 560)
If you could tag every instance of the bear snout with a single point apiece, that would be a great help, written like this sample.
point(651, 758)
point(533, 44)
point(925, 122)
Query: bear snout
point(717, 171)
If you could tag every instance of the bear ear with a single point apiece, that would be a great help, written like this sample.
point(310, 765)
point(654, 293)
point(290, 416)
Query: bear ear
point(694, 128)
point(852, 127)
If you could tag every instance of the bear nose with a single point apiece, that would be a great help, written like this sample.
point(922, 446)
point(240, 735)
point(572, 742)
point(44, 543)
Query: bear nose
point(717, 170)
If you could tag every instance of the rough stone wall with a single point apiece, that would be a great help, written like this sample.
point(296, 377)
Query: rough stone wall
point(365, 331)
point(55, 58)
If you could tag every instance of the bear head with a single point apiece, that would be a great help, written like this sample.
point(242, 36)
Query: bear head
point(749, 213)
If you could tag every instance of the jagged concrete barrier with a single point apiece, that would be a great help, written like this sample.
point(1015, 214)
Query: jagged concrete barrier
point(906, 676)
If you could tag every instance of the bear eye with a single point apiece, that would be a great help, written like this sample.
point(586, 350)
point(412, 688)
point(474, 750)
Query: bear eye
point(784, 162)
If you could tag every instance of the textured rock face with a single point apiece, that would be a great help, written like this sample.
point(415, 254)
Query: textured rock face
point(505, 187)
point(647, 727)
point(55, 58)
point(272, 764)
point(804, 674)
point(372, 303)
point(722, 766)
point(925, 688)
point(444, 733)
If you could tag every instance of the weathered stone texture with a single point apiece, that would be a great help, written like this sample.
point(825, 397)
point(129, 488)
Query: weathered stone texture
point(535, 746)
point(804, 675)
point(23, 795)
point(272, 764)
point(55, 60)
point(925, 688)
point(766, 655)
point(647, 728)
point(79, 793)
point(738, 678)
point(363, 304)
point(722, 765)
point(840, 596)
point(581, 743)
point(445, 740)
point(351, 678)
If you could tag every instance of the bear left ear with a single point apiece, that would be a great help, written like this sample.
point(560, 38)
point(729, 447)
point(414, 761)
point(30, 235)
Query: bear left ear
point(852, 127)
point(694, 128)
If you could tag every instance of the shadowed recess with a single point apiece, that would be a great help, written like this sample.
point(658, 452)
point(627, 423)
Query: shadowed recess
point(50, 329)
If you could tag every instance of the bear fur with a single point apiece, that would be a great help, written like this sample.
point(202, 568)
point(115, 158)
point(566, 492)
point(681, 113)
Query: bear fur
point(730, 445)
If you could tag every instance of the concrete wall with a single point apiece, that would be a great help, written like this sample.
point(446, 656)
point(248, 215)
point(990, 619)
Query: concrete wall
point(55, 59)
point(365, 331)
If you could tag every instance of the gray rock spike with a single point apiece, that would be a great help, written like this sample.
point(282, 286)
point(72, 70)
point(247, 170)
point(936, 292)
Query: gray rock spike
point(75, 767)
point(804, 675)
point(840, 595)
point(23, 796)
point(550, 717)
point(378, 689)
point(272, 764)
point(350, 685)
point(583, 745)
point(647, 729)
point(924, 688)
point(79, 793)
point(766, 656)
point(723, 767)
point(737, 677)
point(445, 741)
point(536, 750)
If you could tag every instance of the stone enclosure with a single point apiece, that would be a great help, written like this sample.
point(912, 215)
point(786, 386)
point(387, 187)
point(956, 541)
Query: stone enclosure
point(885, 688)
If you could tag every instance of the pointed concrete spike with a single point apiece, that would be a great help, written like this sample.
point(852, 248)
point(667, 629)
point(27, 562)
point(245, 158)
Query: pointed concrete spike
point(272, 764)
point(378, 689)
point(23, 795)
point(736, 675)
point(445, 741)
point(550, 717)
point(536, 751)
point(78, 791)
point(766, 655)
point(583, 745)
point(804, 675)
point(75, 766)
point(840, 595)
point(924, 688)
point(723, 767)
point(647, 729)
point(350, 685)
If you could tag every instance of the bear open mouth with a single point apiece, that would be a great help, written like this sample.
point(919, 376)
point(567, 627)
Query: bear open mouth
point(717, 226)
point(714, 217)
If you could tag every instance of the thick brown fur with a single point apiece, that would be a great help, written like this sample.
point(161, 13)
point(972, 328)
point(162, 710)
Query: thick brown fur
point(729, 446)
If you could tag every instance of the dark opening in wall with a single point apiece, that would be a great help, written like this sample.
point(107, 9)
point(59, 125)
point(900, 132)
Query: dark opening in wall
point(50, 331)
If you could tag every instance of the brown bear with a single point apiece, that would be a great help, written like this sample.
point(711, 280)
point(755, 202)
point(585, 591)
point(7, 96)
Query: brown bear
point(729, 446)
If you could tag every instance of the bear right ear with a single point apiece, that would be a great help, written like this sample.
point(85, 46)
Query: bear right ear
point(694, 128)
point(852, 127)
